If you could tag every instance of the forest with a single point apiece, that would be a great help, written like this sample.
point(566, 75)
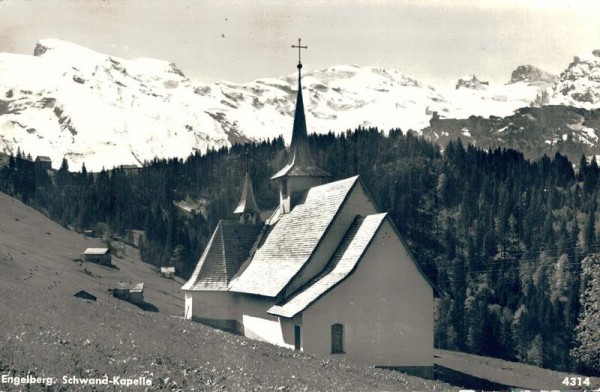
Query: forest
point(510, 242)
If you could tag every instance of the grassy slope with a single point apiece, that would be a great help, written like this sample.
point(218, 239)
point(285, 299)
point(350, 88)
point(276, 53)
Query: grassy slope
point(507, 373)
point(46, 331)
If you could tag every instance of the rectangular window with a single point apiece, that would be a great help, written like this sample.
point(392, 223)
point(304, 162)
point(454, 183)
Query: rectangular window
point(284, 189)
point(297, 338)
point(337, 339)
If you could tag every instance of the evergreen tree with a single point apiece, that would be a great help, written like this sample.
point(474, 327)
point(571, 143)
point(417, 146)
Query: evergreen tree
point(588, 330)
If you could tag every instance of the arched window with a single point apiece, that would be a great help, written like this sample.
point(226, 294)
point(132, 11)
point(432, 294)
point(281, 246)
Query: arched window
point(337, 339)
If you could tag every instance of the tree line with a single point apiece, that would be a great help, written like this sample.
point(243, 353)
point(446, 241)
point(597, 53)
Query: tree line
point(503, 237)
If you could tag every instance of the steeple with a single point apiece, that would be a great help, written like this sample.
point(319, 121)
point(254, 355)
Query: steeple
point(299, 141)
point(299, 149)
point(300, 173)
point(247, 207)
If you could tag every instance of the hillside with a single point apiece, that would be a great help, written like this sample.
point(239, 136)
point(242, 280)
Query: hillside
point(38, 254)
point(52, 334)
point(513, 374)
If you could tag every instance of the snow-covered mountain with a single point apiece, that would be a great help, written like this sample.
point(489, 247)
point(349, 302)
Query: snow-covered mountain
point(578, 85)
point(69, 101)
point(565, 116)
point(532, 76)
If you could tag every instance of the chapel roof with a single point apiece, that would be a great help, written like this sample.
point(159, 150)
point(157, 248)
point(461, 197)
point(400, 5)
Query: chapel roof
point(290, 243)
point(228, 248)
point(342, 264)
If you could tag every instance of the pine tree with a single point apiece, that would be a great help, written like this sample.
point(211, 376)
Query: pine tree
point(535, 354)
point(588, 330)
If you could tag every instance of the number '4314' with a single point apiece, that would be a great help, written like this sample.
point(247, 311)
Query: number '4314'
point(576, 381)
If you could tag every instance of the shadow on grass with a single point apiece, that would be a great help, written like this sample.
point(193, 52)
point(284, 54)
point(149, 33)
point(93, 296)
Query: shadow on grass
point(125, 296)
point(148, 307)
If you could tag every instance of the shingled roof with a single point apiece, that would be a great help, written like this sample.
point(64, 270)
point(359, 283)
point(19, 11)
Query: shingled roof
point(228, 248)
point(342, 264)
point(292, 240)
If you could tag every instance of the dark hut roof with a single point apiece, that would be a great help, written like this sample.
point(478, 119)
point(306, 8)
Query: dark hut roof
point(292, 240)
point(247, 201)
point(227, 249)
point(342, 264)
point(85, 295)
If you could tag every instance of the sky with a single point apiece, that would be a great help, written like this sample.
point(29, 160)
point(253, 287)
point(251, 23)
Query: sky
point(436, 41)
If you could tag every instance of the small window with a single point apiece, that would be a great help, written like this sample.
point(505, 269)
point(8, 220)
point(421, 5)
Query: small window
point(337, 339)
point(284, 189)
point(297, 338)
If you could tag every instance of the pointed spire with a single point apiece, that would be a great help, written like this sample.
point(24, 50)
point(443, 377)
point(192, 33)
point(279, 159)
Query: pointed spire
point(299, 149)
point(300, 161)
point(247, 202)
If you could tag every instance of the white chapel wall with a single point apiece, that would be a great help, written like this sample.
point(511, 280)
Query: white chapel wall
point(258, 324)
point(213, 305)
point(188, 310)
point(386, 307)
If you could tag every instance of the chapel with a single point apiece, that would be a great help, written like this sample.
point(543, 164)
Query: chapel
point(327, 273)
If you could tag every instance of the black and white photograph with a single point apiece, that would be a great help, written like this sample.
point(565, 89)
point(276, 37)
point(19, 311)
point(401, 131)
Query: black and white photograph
point(318, 195)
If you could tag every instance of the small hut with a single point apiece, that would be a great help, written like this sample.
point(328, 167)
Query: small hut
point(44, 162)
point(130, 169)
point(131, 292)
point(98, 255)
point(167, 272)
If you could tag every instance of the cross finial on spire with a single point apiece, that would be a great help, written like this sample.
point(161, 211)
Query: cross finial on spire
point(300, 47)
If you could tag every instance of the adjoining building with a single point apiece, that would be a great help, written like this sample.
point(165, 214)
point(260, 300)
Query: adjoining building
point(98, 255)
point(327, 273)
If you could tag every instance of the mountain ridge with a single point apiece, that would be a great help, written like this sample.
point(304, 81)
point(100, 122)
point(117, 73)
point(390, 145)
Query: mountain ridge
point(71, 102)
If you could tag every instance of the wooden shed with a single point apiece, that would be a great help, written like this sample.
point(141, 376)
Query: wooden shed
point(131, 292)
point(98, 255)
point(167, 272)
